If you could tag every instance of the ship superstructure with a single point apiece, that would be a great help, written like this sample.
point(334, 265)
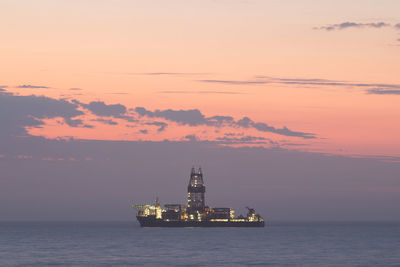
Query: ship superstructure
point(195, 213)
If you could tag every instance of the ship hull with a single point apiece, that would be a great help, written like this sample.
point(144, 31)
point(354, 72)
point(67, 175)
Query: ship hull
point(151, 222)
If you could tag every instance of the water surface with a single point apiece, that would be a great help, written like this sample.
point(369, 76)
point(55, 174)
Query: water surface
point(125, 243)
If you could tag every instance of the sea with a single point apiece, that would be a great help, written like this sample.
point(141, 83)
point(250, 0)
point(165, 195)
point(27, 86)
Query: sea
point(126, 244)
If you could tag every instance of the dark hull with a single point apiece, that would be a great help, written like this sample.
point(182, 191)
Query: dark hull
point(151, 222)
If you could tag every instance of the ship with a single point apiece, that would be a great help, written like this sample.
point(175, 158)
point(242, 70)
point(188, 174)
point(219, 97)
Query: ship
point(195, 213)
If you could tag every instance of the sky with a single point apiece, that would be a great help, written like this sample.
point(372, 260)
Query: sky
point(290, 106)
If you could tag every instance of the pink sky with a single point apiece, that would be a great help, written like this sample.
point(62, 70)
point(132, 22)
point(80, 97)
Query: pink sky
point(271, 61)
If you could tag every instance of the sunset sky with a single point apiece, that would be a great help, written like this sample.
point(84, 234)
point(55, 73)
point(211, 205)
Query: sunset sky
point(315, 77)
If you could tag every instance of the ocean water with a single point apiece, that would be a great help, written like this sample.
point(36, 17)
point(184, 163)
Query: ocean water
point(126, 244)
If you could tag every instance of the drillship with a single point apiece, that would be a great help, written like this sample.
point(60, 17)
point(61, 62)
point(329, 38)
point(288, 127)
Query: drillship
point(195, 213)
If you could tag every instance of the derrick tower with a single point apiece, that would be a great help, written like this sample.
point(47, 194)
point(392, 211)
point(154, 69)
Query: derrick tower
point(196, 190)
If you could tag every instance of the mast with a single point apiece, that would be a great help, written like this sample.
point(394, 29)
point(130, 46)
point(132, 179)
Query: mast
point(196, 190)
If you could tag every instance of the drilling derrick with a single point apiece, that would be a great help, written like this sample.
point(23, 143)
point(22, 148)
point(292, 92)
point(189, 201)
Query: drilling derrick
point(195, 213)
point(196, 190)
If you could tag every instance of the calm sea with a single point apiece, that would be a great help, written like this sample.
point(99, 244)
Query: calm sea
point(124, 244)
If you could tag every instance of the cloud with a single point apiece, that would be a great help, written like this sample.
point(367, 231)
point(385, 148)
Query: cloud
point(18, 112)
point(68, 110)
point(378, 91)
point(191, 138)
point(143, 131)
point(194, 117)
point(105, 121)
point(73, 123)
point(346, 84)
point(246, 122)
point(346, 25)
point(233, 134)
point(219, 120)
point(298, 185)
point(324, 82)
point(160, 124)
point(32, 86)
point(242, 140)
point(234, 82)
point(99, 108)
point(311, 80)
point(75, 89)
point(191, 117)
point(381, 88)
point(293, 144)
point(262, 79)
